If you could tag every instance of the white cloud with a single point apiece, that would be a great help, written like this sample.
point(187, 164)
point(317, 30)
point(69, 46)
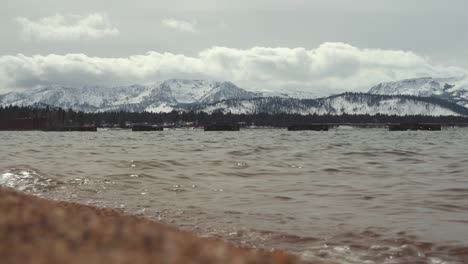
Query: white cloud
point(69, 27)
point(180, 25)
point(330, 68)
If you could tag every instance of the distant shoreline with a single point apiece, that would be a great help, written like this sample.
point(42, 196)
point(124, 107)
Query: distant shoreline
point(36, 230)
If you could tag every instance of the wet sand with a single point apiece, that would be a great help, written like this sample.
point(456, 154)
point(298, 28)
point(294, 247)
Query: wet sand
point(36, 230)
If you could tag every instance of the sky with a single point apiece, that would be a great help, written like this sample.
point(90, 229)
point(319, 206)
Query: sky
point(316, 46)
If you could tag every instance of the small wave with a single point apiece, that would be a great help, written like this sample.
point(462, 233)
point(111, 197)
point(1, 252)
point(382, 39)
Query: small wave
point(332, 170)
point(369, 246)
point(286, 198)
point(410, 161)
point(241, 165)
point(361, 153)
point(404, 153)
point(456, 190)
point(177, 188)
point(27, 180)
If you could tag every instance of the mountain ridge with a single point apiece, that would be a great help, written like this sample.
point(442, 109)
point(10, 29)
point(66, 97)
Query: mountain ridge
point(345, 103)
point(134, 97)
point(212, 96)
point(444, 88)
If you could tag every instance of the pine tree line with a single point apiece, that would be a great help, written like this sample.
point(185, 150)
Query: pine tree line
point(57, 117)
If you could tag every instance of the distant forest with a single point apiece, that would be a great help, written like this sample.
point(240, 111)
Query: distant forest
point(59, 117)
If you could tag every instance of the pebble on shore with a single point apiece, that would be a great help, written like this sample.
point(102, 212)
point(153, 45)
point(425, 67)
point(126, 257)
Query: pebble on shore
point(36, 230)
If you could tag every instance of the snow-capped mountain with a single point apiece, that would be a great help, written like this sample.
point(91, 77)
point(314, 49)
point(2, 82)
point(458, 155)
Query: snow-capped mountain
point(212, 96)
point(157, 97)
point(202, 91)
point(349, 103)
point(84, 98)
point(447, 89)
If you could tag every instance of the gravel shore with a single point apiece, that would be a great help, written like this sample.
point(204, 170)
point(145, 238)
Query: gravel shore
point(36, 230)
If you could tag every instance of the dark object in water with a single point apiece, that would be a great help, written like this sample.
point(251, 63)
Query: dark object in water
point(414, 127)
point(308, 127)
point(41, 124)
point(17, 124)
point(222, 128)
point(22, 124)
point(78, 129)
point(146, 128)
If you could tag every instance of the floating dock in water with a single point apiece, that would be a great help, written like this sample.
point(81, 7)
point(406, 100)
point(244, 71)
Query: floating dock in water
point(21, 124)
point(40, 124)
point(75, 129)
point(140, 128)
point(222, 128)
point(308, 127)
point(414, 127)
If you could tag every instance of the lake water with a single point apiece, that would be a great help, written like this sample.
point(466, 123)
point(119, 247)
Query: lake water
point(346, 195)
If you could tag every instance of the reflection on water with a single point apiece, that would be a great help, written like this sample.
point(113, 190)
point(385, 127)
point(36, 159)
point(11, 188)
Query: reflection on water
point(352, 196)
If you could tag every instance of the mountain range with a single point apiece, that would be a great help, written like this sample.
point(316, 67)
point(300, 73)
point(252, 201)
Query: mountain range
point(422, 96)
point(154, 98)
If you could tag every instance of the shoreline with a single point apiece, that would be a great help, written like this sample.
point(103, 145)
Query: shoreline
point(37, 230)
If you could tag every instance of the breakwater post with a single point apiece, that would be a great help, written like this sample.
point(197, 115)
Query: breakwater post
point(222, 127)
point(414, 127)
point(141, 128)
point(308, 127)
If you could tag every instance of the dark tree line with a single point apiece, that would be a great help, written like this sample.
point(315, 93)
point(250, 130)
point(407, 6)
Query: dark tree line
point(60, 117)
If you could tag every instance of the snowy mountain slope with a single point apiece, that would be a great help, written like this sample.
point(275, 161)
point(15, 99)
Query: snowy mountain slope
point(392, 105)
point(211, 96)
point(349, 103)
point(163, 96)
point(290, 94)
point(447, 89)
point(225, 91)
point(191, 91)
point(83, 98)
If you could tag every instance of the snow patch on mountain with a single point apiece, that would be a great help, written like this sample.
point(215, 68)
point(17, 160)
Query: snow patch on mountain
point(290, 94)
point(160, 108)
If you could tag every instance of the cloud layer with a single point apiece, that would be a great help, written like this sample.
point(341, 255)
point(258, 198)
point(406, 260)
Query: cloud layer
point(69, 27)
point(330, 68)
point(180, 25)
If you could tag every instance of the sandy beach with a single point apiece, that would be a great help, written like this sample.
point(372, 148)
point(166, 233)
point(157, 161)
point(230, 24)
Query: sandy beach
point(36, 230)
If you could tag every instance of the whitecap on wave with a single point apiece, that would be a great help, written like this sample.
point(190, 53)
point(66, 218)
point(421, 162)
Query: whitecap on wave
point(27, 180)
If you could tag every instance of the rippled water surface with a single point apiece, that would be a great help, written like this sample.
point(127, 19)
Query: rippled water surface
point(347, 195)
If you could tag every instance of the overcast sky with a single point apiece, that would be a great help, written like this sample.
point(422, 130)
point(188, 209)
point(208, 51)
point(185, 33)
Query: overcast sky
point(322, 46)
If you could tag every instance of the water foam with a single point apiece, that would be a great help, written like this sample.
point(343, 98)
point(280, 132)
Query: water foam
point(27, 180)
